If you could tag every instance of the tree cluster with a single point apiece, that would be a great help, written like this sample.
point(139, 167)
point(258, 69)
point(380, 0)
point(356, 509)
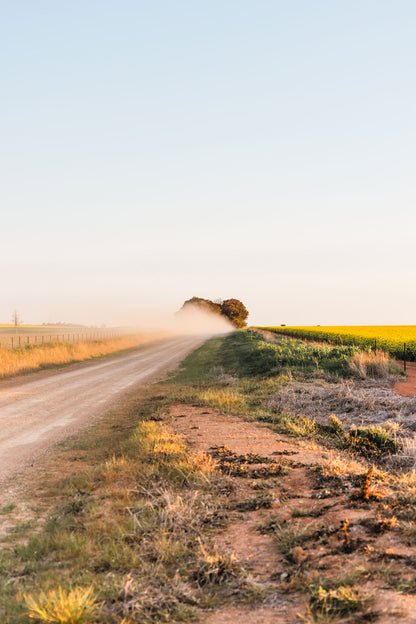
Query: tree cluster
point(233, 309)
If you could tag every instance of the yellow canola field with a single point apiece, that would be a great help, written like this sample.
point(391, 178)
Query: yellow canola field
point(393, 339)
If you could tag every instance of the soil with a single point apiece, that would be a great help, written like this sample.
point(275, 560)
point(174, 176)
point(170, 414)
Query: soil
point(302, 500)
point(408, 387)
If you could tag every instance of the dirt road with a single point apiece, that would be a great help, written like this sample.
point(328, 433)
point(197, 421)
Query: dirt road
point(37, 411)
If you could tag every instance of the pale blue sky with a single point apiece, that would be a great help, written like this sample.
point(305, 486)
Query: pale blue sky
point(152, 151)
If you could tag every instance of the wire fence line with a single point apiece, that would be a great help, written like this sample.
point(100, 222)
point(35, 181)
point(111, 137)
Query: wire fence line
point(23, 339)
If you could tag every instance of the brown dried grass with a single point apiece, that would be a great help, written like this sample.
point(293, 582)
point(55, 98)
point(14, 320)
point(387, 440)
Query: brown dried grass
point(27, 359)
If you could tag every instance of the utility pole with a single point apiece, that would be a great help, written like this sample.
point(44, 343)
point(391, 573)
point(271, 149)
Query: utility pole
point(16, 320)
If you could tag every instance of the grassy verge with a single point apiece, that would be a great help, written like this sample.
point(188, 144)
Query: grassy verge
point(35, 357)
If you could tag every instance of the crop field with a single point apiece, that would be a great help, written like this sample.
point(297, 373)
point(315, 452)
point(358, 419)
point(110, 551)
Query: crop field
point(394, 339)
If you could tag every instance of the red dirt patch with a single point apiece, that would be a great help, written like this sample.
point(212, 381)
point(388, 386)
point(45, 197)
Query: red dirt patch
point(408, 387)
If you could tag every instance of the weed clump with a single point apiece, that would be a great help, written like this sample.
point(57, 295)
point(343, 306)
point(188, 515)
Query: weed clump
point(334, 603)
point(216, 569)
point(335, 426)
point(370, 441)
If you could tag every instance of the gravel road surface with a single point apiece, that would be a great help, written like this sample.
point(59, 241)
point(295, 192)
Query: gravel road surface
point(39, 410)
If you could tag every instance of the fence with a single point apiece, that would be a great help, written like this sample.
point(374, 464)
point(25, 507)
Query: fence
point(23, 339)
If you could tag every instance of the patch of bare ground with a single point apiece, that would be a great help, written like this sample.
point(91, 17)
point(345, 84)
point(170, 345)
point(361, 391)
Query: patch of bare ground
point(407, 387)
point(323, 520)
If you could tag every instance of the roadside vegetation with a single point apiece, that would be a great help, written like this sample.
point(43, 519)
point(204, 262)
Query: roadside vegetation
point(52, 354)
point(126, 526)
point(253, 371)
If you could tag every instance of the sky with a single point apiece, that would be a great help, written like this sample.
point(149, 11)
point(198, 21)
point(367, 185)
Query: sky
point(155, 151)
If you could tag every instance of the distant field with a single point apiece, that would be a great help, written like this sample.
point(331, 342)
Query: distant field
point(389, 338)
point(11, 336)
point(27, 358)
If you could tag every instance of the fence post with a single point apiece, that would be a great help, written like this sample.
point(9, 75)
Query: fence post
point(404, 356)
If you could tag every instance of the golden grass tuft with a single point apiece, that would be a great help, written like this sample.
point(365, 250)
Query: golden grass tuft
point(77, 606)
point(224, 400)
point(336, 465)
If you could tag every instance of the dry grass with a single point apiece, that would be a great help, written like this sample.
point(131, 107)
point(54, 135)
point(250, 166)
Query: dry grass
point(336, 465)
point(224, 400)
point(32, 358)
point(372, 364)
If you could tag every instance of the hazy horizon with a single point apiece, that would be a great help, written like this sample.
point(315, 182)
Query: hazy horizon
point(152, 152)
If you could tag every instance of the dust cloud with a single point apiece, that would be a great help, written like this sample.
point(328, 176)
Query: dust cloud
point(193, 320)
